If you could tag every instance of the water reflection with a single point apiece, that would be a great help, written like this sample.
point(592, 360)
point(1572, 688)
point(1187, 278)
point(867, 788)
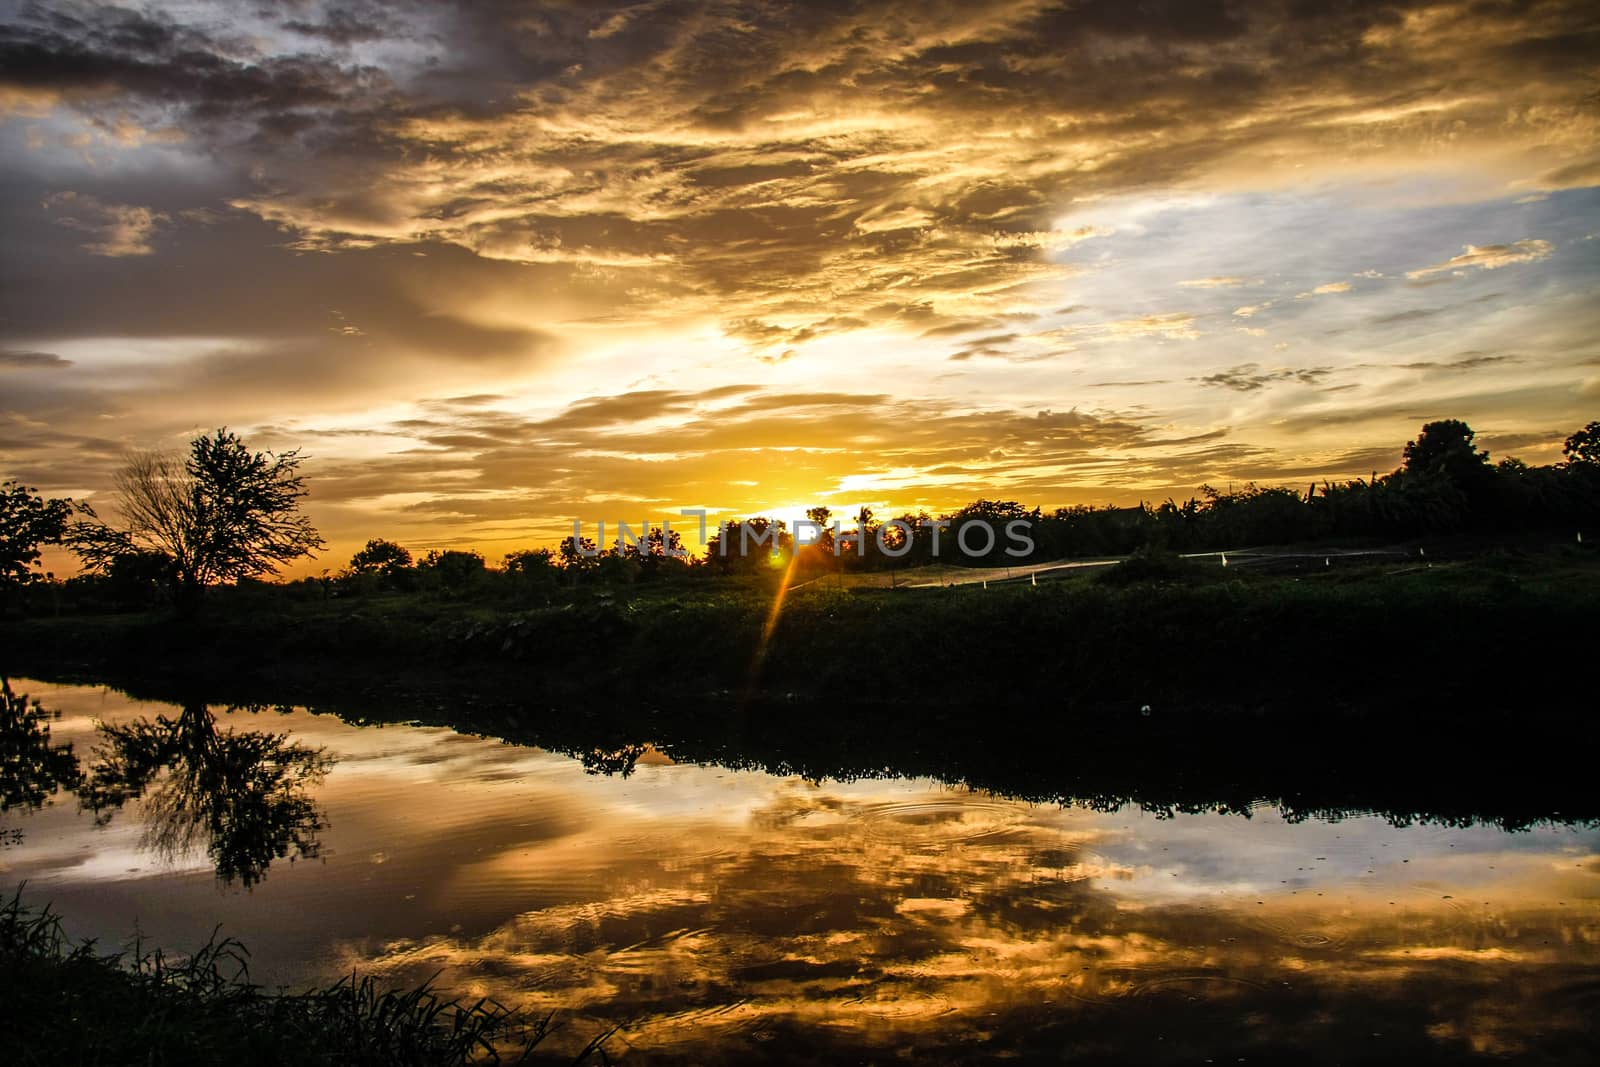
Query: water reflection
point(243, 794)
point(837, 926)
point(738, 917)
point(32, 769)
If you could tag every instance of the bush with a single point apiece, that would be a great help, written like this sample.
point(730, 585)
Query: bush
point(1150, 564)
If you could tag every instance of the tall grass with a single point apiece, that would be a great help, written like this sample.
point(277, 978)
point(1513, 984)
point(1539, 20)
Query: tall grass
point(66, 1003)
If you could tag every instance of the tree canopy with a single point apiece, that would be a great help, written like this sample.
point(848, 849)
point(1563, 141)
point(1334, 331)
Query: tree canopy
point(222, 514)
point(380, 557)
point(1584, 445)
point(27, 521)
point(1445, 447)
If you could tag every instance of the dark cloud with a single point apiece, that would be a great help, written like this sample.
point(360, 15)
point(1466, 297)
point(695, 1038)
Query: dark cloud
point(628, 134)
point(1409, 315)
point(1249, 377)
point(31, 360)
point(1128, 384)
point(1475, 361)
point(100, 53)
point(346, 24)
point(234, 277)
point(995, 346)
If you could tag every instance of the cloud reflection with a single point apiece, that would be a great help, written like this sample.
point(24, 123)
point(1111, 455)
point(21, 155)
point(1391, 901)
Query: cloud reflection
point(725, 916)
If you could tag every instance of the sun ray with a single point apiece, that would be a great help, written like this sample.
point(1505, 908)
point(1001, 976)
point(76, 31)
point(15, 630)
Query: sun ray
point(770, 625)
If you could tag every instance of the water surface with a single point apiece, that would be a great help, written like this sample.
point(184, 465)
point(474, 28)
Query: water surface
point(717, 915)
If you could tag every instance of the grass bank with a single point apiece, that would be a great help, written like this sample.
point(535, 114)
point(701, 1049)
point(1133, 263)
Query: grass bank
point(70, 1003)
point(1503, 632)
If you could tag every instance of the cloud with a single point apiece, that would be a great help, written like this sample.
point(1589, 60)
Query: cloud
point(480, 472)
point(1475, 361)
point(1168, 325)
point(1177, 326)
point(995, 345)
point(303, 218)
point(771, 155)
point(1489, 257)
point(1213, 283)
point(347, 24)
point(1324, 290)
point(1409, 315)
point(116, 229)
point(94, 55)
point(1250, 377)
point(11, 360)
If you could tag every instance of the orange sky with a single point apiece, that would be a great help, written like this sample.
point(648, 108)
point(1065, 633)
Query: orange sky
point(499, 266)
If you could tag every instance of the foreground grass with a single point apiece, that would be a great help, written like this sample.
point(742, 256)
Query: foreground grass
point(66, 1003)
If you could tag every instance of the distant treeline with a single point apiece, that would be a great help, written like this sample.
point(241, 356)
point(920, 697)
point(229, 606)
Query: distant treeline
point(1445, 486)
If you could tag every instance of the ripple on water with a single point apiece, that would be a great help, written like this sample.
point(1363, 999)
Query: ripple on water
point(697, 1024)
point(956, 819)
point(1202, 984)
point(1302, 931)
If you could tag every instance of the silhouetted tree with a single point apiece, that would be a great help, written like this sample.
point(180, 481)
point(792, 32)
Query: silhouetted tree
point(27, 521)
point(749, 544)
point(862, 548)
point(139, 578)
point(577, 555)
point(1251, 515)
point(452, 570)
point(661, 555)
point(619, 568)
point(380, 557)
point(1584, 446)
point(986, 547)
point(530, 561)
point(1445, 447)
point(223, 514)
point(531, 571)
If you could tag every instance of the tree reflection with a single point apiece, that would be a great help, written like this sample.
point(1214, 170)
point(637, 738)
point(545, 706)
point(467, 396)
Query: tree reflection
point(619, 761)
point(245, 793)
point(31, 768)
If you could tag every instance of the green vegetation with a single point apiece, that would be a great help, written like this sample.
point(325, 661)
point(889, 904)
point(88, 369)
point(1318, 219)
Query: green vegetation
point(68, 1003)
point(1456, 629)
point(1418, 625)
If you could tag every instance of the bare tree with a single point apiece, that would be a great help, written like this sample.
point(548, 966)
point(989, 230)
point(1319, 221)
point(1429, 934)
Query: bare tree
point(223, 514)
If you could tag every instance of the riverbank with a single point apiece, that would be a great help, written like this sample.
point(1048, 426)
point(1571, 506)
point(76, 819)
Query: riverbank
point(1490, 635)
point(1456, 692)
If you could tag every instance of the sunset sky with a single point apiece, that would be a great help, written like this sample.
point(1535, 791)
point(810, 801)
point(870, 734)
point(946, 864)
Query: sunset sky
point(495, 266)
